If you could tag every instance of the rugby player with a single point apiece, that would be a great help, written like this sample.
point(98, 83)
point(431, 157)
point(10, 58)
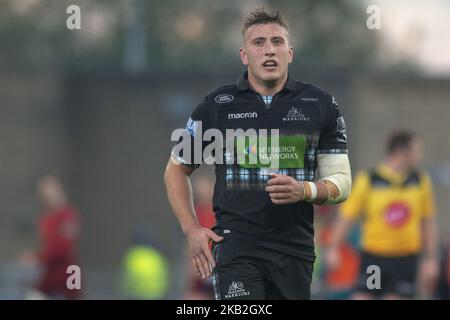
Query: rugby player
point(263, 245)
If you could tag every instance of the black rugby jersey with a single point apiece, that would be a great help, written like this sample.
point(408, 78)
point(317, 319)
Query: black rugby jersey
point(309, 123)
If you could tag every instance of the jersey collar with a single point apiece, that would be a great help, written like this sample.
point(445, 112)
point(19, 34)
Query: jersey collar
point(242, 83)
point(390, 174)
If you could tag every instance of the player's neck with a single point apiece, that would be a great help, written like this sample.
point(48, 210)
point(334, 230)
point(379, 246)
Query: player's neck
point(267, 88)
point(56, 204)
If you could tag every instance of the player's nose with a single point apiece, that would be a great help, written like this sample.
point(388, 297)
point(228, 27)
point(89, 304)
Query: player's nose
point(269, 50)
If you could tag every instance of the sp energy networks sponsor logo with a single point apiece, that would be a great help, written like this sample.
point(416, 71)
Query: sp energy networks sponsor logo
point(262, 152)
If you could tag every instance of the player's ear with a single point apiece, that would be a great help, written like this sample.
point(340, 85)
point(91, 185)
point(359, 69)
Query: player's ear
point(291, 54)
point(243, 55)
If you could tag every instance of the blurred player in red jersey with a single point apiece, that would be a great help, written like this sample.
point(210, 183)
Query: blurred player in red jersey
point(199, 289)
point(59, 228)
point(204, 187)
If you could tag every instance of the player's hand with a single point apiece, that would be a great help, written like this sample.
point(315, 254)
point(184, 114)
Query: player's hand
point(332, 259)
point(284, 189)
point(198, 241)
point(428, 275)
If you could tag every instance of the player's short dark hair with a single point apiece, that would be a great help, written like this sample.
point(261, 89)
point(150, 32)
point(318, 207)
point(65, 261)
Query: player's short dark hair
point(400, 140)
point(261, 16)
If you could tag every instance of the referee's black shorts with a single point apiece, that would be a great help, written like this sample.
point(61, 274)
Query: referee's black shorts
point(246, 271)
point(398, 275)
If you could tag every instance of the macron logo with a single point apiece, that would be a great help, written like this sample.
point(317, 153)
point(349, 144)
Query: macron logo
point(243, 115)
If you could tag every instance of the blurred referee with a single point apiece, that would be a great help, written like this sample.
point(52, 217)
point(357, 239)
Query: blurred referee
point(396, 201)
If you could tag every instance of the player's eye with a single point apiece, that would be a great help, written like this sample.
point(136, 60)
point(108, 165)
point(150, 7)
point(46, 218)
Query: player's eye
point(258, 42)
point(277, 41)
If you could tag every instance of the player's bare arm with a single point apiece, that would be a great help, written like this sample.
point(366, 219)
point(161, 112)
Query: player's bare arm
point(179, 192)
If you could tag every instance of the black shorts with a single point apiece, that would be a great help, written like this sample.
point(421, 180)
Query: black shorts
point(246, 271)
point(398, 275)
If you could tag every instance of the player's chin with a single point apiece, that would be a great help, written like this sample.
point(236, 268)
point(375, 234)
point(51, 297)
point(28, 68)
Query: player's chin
point(270, 75)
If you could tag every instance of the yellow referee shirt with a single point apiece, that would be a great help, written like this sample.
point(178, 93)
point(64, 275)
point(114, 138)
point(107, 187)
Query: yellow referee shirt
point(392, 207)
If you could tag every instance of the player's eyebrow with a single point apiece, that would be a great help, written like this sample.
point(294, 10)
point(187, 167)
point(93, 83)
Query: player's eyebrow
point(259, 39)
point(278, 38)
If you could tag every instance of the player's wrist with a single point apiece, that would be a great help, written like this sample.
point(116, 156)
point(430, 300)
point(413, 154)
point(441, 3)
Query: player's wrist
point(302, 190)
point(190, 228)
point(309, 191)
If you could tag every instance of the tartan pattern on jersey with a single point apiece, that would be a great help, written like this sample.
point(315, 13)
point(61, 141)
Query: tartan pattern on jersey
point(237, 177)
point(267, 100)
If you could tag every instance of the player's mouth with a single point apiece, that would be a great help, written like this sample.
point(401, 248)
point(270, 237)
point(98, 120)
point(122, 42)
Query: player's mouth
point(270, 64)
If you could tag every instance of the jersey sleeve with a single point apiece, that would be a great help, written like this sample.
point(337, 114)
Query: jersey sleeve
point(354, 204)
point(189, 148)
point(333, 136)
point(429, 205)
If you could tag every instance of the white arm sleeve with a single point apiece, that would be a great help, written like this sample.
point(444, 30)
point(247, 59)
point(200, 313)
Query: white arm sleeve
point(336, 169)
